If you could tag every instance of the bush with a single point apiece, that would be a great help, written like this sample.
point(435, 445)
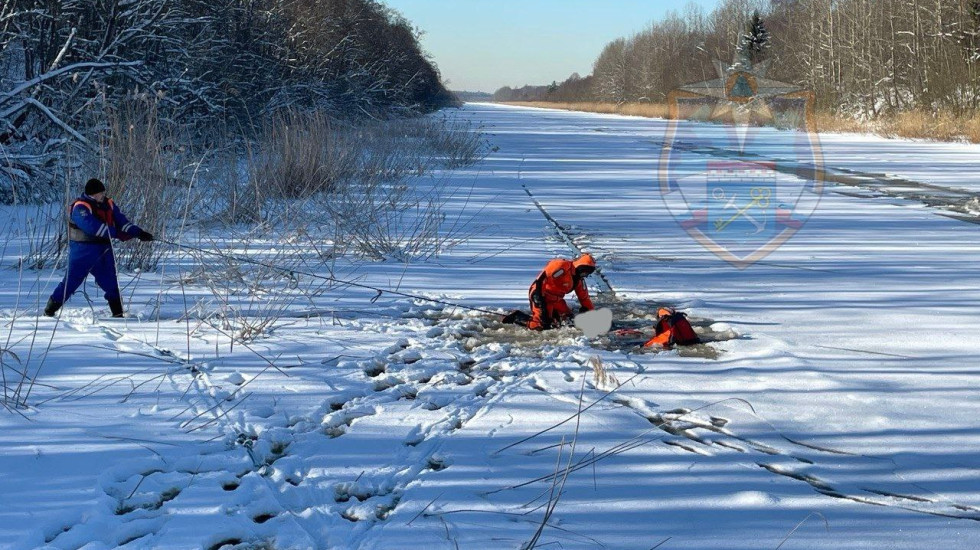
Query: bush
point(349, 181)
point(142, 163)
point(302, 154)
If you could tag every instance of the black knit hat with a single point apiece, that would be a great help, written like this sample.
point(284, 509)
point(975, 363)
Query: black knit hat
point(93, 186)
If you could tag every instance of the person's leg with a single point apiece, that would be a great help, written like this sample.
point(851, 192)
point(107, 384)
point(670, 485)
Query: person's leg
point(81, 260)
point(105, 276)
point(539, 320)
point(516, 317)
point(539, 316)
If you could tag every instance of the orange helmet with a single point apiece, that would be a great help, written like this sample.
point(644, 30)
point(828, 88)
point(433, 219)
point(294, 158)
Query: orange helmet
point(584, 264)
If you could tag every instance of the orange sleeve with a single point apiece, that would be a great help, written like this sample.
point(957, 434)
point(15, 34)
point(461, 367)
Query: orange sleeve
point(662, 339)
point(582, 292)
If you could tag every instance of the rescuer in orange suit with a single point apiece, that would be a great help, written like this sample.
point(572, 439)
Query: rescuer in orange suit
point(547, 292)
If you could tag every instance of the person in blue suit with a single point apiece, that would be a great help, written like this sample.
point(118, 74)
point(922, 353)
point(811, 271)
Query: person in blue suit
point(93, 221)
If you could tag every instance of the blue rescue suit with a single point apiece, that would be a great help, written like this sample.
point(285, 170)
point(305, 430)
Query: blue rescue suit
point(91, 226)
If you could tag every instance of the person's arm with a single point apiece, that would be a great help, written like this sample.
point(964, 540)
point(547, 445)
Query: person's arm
point(582, 292)
point(128, 227)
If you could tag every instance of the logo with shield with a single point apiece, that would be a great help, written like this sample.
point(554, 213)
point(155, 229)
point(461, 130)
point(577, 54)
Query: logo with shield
point(740, 167)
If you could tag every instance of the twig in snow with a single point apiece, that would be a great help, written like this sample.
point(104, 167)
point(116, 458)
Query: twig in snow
point(866, 351)
point(800, 524)
point(551, 497)
point(222, 415)
point(628, 445)
point(569, 419)
point(431, 502)
point(448, 536)
point(553, 502)
point(518, 516)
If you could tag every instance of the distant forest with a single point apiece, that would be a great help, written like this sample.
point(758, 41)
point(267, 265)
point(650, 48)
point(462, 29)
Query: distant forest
point(860, 57)
point(473, 96)
point(204, 65)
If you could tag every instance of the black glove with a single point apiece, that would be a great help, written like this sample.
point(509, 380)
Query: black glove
point(145, 236)
point(537, 300)
point(583, 309)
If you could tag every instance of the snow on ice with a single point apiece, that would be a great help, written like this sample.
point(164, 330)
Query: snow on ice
point(834, 405)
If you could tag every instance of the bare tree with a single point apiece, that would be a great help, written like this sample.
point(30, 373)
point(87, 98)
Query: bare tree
point(207, 64)
point(862, 57)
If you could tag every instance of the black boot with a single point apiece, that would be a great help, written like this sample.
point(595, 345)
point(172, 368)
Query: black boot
point(115, 306)
point(52, 307)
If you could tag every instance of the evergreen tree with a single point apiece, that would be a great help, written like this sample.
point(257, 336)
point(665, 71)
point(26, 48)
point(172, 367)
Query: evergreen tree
point(756, 41)
point(971, 37)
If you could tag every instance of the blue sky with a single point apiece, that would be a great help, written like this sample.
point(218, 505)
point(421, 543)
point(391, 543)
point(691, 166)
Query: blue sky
point(481, 45)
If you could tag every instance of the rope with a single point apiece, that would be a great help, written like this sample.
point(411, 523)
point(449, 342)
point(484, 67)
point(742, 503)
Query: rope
point(291, 272)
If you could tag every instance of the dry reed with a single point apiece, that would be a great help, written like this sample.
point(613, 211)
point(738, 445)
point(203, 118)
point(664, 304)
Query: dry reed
point(648, 110)
point(916, 124)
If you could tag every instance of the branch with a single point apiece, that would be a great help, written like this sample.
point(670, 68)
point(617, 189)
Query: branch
point(64, 49)
point(56, 73)
point(54, 118)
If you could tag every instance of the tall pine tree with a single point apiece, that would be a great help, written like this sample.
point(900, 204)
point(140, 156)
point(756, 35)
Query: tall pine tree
point(756, 41)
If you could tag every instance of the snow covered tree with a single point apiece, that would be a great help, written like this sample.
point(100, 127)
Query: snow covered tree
point(754, 43)
point(969, 35)
point(612, 72)
point(205, 64)
point(864, 57)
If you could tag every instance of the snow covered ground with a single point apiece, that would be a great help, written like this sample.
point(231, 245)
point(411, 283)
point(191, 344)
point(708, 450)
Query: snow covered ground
point(843, 415)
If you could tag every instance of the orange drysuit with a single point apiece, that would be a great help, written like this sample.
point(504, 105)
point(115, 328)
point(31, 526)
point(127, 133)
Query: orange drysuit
point(547, 292)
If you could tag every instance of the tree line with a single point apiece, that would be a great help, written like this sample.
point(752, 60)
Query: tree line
point(204, 64)
point(862, 58)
